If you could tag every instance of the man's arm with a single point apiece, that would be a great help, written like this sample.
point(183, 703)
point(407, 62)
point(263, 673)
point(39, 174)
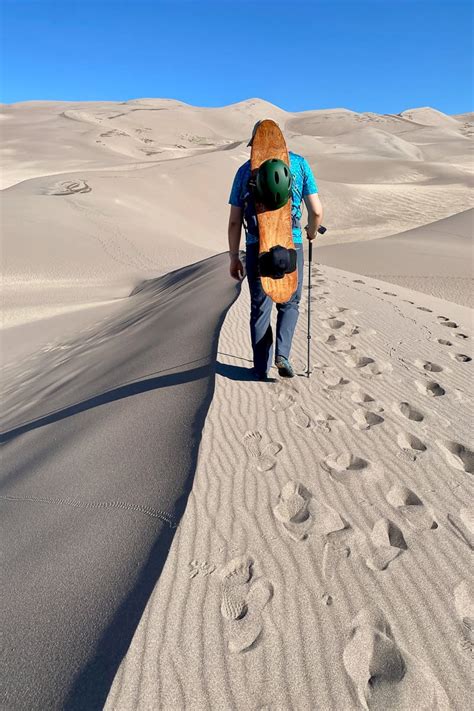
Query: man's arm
point(234, 232)
point(315, 214)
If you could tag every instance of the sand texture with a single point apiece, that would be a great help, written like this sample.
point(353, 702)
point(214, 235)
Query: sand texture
point(176, 535)
point(326, 538)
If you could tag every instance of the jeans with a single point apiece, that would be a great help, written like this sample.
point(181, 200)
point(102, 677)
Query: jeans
point(261, 309)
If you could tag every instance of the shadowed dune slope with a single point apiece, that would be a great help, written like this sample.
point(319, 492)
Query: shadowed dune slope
point(101, 436)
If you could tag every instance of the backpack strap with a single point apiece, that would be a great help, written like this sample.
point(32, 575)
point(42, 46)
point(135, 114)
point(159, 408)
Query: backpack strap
point(249, 197)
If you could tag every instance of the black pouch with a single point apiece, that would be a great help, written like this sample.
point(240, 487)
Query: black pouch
point(277, 262)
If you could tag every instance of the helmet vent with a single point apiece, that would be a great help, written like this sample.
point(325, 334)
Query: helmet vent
point(277, 178)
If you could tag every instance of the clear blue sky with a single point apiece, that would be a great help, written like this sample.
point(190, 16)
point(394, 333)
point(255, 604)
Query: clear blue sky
point(365, 55)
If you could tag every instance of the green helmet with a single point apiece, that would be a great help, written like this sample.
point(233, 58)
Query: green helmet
point(273, 183)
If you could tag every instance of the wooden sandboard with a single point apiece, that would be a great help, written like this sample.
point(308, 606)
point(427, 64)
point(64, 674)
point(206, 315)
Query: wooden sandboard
point(274, 226)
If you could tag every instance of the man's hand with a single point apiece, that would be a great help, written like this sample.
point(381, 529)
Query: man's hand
point(311, 234)
point(315, 215)
point(235, 228)
point(236, 268)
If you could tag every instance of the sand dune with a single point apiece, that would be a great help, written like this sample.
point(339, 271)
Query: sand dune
point(321, 557)
point(430, 117)
point(436, 258)
point(100, 438)
point(114, 193)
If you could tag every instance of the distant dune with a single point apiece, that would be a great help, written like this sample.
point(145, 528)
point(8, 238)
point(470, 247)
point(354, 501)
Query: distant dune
point(436, 258)
point(103, 195)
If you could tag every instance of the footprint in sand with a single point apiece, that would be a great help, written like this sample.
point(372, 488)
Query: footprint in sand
point(449, 324)
point(292, 510)
point(245, 631)
point(423, 308)
point(365, 400)
point(365, 419)
point(460, 357)
point(457, 455)
point(242, 602)
point(429, 387)
point(324, 420)
point(333, 323)
point(263, 458)
point(444, 342)
point(386, 543)
point(412, 508)
point(284, 401)
point(335, 552)
point(332, 379)
point(463, 526)
point(384, 675)
point(464, 604)
point(411, 413)
point(367, 366)
point(410, 445)
point(407, 301)
point(324, 315)
point(389, 293)
point(200, 567)
point(461, 335)
point(299, 512)
point(358, 281)
point(300, 417)
point(234, 578)
point(348, 468)
point(355, 361)
point(342, 345)
point(429, 366)
point(337, 309)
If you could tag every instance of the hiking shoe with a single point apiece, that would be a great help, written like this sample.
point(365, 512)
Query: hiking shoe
point(285, 369)
point(258, 375)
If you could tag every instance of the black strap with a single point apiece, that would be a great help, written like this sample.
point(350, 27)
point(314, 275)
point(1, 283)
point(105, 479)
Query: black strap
point(277, 262)
point(251, 187)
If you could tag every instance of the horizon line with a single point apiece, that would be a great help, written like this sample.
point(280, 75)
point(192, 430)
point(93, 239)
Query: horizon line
point(221, 106)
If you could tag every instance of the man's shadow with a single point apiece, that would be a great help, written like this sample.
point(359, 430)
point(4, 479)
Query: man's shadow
point(238, 372)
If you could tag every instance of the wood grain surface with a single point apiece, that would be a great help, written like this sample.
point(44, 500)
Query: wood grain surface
point(274, 225)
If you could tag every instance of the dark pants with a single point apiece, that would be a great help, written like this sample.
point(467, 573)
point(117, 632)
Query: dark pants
point(261, 309)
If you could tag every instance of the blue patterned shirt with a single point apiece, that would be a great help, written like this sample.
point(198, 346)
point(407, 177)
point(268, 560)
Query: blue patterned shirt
point(303, 183)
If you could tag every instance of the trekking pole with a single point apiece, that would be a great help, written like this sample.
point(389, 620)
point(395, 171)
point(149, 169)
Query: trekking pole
point(321, 231)
point(310, 258)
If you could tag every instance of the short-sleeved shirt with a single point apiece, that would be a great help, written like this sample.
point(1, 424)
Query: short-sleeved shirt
point(303, 183)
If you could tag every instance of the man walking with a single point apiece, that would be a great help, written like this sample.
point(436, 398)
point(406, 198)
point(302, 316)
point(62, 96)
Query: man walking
point(242, 211)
